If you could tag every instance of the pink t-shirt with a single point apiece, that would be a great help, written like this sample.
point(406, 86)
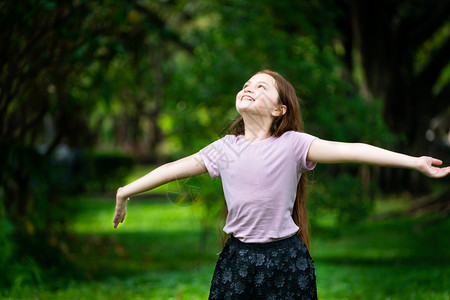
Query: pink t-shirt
point(259, 182)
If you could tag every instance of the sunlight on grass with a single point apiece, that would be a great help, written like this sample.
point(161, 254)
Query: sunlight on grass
point(142, 216)
point(392, 204)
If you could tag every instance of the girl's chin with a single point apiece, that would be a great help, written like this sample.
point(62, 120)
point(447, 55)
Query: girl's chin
point(244, 109)
point(245, 105)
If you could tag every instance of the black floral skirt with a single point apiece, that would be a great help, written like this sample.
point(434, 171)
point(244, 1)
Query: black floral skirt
point(277, 270)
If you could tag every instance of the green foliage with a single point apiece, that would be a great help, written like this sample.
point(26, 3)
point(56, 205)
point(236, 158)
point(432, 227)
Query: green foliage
point(232, 50)
point(6, 244)
point(32, 231)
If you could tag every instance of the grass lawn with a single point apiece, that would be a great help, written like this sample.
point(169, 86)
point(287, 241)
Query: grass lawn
point(396, 259)
point(156, 254)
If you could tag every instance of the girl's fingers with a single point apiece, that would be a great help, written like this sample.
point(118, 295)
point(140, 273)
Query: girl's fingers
point(445, 171)
point(117, 219)
point(440, 172)
point(435, 161)
point(119, 216)
point(120, 212)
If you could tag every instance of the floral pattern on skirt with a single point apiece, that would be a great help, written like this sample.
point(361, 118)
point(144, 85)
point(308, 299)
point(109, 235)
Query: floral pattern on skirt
point(277, 270)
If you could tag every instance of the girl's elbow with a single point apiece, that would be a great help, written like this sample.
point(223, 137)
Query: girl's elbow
point(120, 193)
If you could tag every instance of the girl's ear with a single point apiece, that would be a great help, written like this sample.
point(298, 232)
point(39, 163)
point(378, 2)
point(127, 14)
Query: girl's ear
point(280, 110)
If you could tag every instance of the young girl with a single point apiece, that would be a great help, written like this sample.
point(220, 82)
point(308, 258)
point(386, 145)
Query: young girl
point(262, 165)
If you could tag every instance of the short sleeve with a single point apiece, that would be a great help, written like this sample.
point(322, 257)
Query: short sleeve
point(211, 156)
point(301, 142)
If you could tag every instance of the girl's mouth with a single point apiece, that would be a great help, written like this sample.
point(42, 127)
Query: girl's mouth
point(247, 98)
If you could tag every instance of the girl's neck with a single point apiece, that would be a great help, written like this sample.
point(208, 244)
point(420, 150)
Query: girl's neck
point(256, 129)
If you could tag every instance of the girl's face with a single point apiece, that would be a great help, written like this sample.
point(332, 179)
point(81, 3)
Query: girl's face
point(259, 96)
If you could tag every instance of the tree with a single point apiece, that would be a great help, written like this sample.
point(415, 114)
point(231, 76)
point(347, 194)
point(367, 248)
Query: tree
point(405, 53)
point(52, 55)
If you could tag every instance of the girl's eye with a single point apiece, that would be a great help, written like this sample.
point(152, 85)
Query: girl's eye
point(261, 86)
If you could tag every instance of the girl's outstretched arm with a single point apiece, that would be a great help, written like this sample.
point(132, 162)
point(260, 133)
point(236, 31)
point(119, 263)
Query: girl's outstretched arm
point(183, 168)
point(322, 151)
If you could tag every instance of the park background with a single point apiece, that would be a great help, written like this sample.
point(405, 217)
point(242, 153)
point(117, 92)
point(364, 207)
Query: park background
point(95, 94)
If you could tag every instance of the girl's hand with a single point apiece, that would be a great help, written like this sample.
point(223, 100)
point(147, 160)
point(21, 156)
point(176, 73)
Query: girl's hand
point(121, 209)
point(425, 165)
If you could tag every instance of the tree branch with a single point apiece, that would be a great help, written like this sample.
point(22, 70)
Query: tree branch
point(431, 72)
point(421, 28)
point(162, 26)
point(33, 123)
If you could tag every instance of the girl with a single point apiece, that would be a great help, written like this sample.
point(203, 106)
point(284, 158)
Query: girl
point(262, 165)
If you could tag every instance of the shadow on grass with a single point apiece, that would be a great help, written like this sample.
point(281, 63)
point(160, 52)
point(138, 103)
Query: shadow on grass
point(131, 253)
point(433, 262)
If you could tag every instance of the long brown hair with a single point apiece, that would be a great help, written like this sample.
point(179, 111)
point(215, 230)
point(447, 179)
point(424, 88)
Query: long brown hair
point(291, 120)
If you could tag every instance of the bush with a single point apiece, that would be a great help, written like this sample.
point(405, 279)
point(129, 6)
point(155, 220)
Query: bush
point(30, 214)
point(33, 238)
point(343, 198)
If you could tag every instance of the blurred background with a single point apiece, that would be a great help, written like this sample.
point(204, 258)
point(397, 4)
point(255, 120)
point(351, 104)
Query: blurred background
point(94, 94)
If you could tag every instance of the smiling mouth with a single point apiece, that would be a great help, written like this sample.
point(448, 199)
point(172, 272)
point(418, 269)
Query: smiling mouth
point(247, 98)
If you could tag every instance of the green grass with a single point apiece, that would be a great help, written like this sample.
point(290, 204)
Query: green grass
point(156, 254)
point(396, 259)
